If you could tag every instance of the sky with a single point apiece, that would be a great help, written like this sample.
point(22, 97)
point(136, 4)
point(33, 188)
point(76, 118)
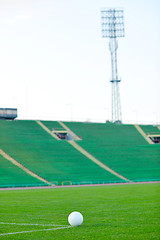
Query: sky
point(55, 65)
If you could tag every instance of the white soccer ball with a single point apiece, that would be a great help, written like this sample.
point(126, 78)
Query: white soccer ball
point(75, 219)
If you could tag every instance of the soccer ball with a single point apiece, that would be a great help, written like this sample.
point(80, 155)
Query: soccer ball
point(75, 219)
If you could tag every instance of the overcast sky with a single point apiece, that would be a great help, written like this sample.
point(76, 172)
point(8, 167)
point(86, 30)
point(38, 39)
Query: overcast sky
point(55, 65)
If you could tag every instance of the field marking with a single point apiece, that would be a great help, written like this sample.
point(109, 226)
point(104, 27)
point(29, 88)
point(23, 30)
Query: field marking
point(139, 129)
point(39, 230)
point(33, 224)
point(47, 130)
point(95, 160)
point(12, 160)
point(69, 130)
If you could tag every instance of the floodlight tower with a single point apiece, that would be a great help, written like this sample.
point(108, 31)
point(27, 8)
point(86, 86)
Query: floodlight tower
point(113, 28)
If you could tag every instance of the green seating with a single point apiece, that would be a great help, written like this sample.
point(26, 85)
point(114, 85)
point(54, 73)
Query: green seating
point(56, 161)
point(120, 147)
point(12, 176)
point(150, 129)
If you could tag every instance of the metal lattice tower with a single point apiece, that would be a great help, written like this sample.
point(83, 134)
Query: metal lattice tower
point(113, 28)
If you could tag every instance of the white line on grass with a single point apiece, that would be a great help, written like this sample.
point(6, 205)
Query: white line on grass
point(41, 230)
point(35, 224)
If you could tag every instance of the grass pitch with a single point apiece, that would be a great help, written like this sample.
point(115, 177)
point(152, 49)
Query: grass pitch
point(110, 212)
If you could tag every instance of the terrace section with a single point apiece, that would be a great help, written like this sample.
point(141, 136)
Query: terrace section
point(56, 161)
point(60, 130)
point(121, 147)
point(13, 176)
point(152, 132)
point(63, 134)
point(155, 137)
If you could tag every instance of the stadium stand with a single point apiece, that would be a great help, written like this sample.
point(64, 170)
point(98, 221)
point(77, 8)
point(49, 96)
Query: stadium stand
point(150, 129)
point(120, 147)
point(152, 132)
point(56, 161)
point(11, 176)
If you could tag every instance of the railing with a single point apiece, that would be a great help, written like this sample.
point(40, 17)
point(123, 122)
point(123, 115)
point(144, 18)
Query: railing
point(66, 183)
point(69, 183)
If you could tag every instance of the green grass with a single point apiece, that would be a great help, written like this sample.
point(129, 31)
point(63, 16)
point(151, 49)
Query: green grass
point(110, 212)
